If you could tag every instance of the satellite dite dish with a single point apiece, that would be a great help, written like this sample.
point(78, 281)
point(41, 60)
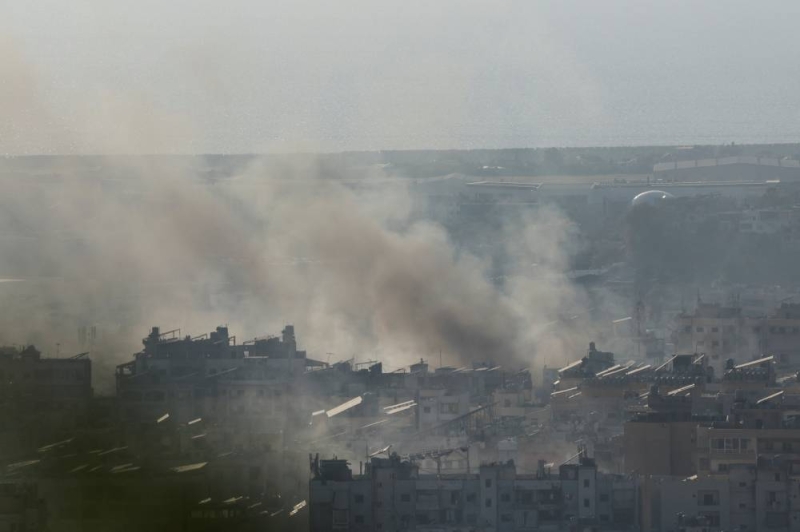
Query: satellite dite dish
point(651, 197)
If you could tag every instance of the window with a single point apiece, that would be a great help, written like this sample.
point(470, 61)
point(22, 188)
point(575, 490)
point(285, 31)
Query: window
point(488, 483)
point(756, 329)
point(471, 497)
point(505, 497)
point(488, 503)
point(524, 496)
point(427, 410)
point(708, 498)
point(700, 329)
point(714, 343)
point(730, 445)
point(507, 403)
point(405, 497)
point(359, 498)
point(506, 518)
point(722, 468)
point(687, 329)
point(448, 408)
point(711, 518)
point(604, 497)
point(586, 503)
point(586, 483)
point(714, 329)
point(340, 517)
point(604, 518)
point(359, 520)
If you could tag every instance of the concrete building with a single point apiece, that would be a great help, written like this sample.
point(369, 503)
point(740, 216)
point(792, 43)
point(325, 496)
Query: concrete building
point(748, 497)
point(393, 495)
point(211, 376)
point(21, 509)
point(40, 398)
point(725, 332)
point(440, 406)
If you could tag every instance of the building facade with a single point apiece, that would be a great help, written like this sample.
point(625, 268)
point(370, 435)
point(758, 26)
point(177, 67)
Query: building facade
point(394, 495)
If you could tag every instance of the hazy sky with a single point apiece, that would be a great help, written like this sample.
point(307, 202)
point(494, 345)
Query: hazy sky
point(244, 76)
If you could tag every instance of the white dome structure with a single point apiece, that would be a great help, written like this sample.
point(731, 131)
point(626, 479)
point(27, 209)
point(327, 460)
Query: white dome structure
point(651, 197)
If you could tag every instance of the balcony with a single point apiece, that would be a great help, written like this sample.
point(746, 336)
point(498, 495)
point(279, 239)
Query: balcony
point(728, 452)
point(427, 502)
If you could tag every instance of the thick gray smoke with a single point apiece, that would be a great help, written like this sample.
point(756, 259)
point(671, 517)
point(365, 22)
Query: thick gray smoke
point(121, 243)
point(355, 274)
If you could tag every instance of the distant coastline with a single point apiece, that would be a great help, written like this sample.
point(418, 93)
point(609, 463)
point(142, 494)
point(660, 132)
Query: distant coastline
point(547, 163)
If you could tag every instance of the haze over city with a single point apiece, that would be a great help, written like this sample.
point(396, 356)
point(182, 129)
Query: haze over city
point(362, 75)
point(399, 266)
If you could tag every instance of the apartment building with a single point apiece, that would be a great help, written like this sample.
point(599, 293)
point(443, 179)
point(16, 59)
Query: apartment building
point(725, 332)
point(41, 399)
point(749, 497)
point(395, 495)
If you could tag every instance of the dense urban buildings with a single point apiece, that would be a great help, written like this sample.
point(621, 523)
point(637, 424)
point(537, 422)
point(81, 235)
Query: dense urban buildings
point(665, 398)
point(207, 433)
point(399, 266)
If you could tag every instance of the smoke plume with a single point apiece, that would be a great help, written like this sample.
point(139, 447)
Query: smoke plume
point(123, 242)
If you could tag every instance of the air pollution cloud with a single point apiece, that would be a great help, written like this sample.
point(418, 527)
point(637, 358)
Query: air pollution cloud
point(125, 242)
